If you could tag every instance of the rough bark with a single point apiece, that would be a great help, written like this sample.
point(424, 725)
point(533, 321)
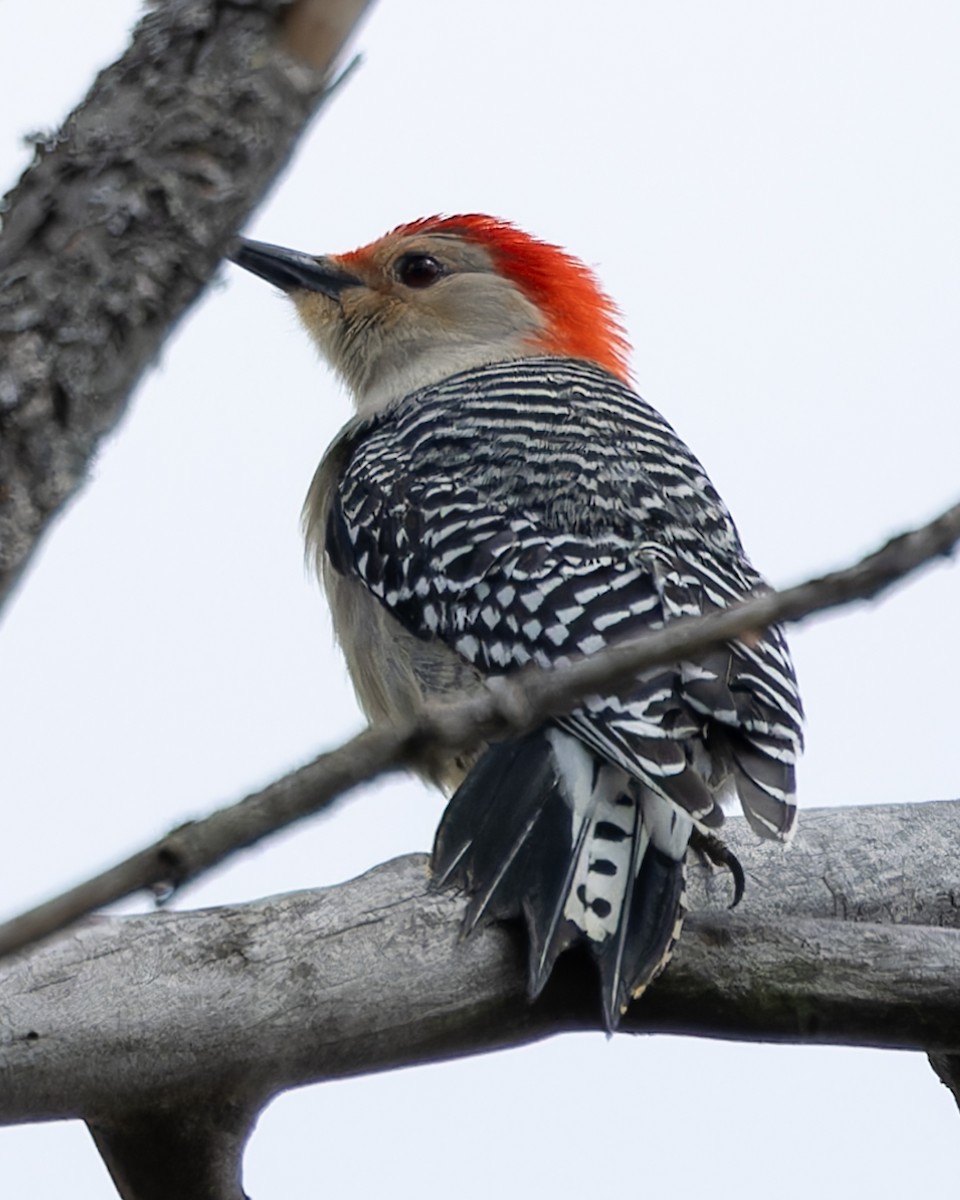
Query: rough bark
point(123, 216)
point(217, 1010)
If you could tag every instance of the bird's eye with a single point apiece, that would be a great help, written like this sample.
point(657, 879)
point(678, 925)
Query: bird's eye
point(418, 270)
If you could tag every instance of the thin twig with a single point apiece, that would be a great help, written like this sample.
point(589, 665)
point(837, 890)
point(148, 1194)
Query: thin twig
point(500, 709)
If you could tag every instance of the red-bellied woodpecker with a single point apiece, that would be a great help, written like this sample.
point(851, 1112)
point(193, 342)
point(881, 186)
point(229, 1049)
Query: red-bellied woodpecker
point(504, 497)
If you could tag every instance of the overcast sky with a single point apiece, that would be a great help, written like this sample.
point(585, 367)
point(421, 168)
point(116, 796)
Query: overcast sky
point(771, 192)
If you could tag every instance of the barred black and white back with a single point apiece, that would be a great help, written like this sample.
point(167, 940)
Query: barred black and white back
point(533, 511)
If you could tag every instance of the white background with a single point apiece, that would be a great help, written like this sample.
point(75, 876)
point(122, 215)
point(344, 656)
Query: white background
point(771, 191)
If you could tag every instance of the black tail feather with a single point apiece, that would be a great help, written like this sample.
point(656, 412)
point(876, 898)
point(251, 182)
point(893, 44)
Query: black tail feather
point(646, 936)
point(569, 848)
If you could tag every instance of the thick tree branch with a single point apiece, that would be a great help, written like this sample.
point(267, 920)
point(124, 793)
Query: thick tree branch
point(168, 1033)
point(504, 707)
point(215, 1011)
point(947, 1070)
point(187, 1152)
point(123, 216)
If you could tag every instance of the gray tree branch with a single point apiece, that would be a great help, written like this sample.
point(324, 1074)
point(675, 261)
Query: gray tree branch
point(181, 1026)
point(504, 707)
point(123, 216)
point(188, 1152)
point(947, 1069)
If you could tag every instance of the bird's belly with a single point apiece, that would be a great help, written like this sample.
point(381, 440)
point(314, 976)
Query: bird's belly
point(394, 673)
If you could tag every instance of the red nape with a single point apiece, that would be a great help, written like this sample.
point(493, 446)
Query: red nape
point(582, 320)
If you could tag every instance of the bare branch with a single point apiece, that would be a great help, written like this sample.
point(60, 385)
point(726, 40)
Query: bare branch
point(506, 706)
point(947, 1069)
point(189, 1152)
point(217, 1010)
point(120, 221)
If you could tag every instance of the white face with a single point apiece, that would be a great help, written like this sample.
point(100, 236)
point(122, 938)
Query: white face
point(426, 306)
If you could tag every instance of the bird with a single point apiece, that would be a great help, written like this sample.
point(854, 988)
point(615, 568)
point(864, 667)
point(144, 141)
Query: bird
point(502, 496)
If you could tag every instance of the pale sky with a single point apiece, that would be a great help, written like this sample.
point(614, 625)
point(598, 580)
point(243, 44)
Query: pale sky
point(771, 192)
